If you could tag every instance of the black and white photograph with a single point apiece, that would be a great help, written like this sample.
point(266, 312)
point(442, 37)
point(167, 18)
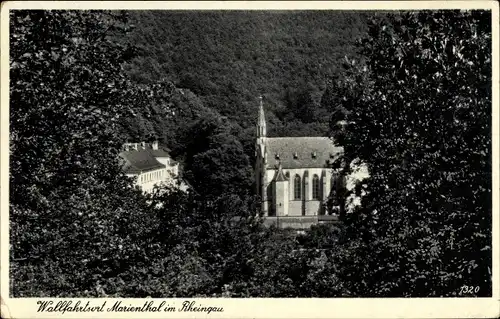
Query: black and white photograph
point(206, 154)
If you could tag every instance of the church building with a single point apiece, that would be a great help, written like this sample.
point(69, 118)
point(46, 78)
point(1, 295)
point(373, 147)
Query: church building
point(294, 177)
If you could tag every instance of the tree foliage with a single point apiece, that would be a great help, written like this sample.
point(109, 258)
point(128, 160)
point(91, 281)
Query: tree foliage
point(227, 59)
point(215, 160)
point(70, 204)
point(418, 112)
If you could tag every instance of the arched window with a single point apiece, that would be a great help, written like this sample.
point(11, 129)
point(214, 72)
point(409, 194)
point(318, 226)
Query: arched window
point(297, 187)
point(315, 187)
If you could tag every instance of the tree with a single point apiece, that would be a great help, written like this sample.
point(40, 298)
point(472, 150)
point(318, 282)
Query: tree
point(419, 114)
point(216, 162)
point(213, 238)
point(75, 220)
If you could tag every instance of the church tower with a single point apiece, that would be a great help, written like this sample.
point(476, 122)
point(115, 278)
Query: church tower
point(261, 164)
point(261, 124)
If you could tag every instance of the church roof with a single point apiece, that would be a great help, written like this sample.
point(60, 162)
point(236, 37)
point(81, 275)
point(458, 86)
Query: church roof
point(139, 161)
point(301, 152)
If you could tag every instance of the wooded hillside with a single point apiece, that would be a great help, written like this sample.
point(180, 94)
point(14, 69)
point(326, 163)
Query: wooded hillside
point(229, 58)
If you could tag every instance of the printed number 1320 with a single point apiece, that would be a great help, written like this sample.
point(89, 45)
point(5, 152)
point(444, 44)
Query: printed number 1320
point(469, 290)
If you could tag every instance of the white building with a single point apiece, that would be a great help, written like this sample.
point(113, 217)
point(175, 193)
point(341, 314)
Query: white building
point(150, 165)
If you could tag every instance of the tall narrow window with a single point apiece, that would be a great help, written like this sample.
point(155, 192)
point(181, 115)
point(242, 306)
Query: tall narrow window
point(315, 186)
point(297, 187)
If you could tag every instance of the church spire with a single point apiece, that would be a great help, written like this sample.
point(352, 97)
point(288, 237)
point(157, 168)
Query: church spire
point(261, 124)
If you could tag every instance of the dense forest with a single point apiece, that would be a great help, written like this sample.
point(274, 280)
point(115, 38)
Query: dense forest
point(228, 59)
point(224, 61)
point(411, 99)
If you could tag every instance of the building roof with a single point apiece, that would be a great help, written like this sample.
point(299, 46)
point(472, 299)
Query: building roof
point(139, 161)
point(301, 152)
point(160, 152)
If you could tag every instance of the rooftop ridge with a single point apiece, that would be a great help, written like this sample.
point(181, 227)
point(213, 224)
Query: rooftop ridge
point(302, 152)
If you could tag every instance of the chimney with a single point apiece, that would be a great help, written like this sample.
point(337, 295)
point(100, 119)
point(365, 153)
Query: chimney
point(154, 145)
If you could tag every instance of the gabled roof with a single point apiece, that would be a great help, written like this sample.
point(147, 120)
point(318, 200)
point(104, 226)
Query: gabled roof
point(139, 161)
point(301, 152)
point(280, 177)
